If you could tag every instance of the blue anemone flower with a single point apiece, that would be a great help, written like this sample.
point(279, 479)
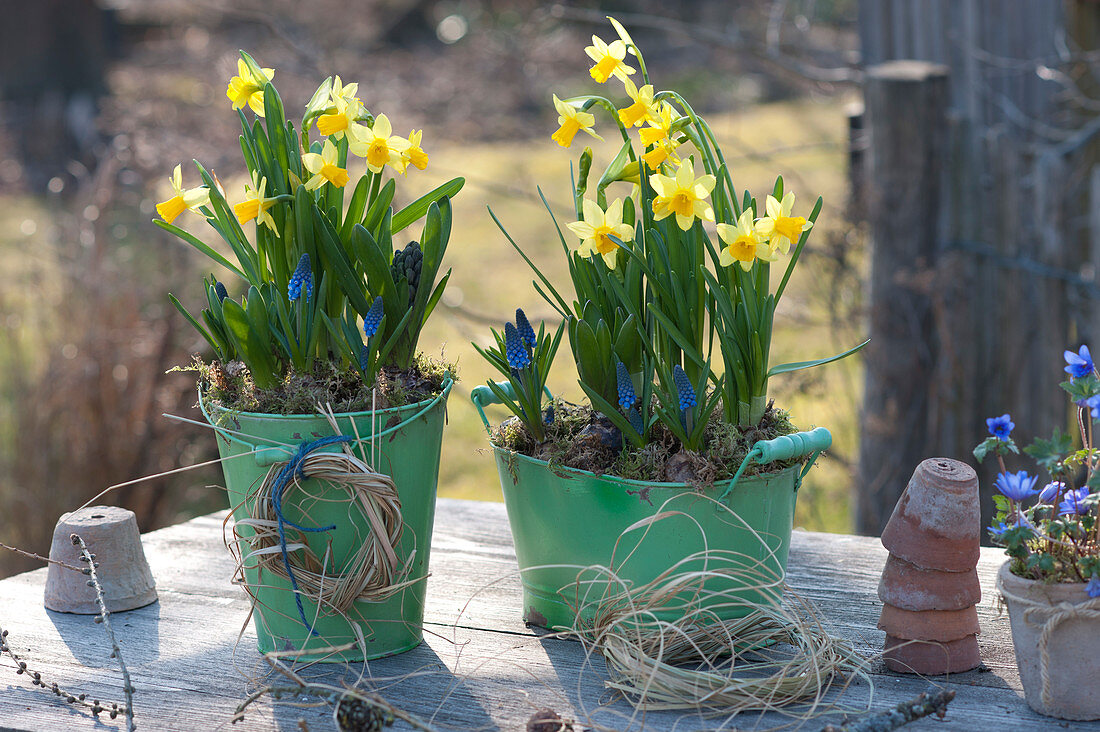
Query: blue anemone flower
point(1017, 486)
point(1073, 502)
point(526, 332)
point(1080, 363)
point(373, 318)
point(518, 356)
point(684, 388)
point(1001, 527)
point(1051, 490)
point(1093, 587)
point(1000, 427)
point(302, 277)
point(627, 397)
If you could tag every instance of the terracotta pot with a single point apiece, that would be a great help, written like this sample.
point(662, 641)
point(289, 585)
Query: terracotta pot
point(929, 625)
point(111, 534)
point(909, 587)
point(931, 658)
point(937, 521)
point(1071, 620)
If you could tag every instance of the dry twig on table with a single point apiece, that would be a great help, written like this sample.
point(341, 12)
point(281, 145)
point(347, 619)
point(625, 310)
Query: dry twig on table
point(39, 557)
point(923, 705)
point(354, 709)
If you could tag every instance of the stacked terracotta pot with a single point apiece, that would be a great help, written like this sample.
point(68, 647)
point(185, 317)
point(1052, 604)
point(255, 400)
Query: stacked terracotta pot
point(930, 586)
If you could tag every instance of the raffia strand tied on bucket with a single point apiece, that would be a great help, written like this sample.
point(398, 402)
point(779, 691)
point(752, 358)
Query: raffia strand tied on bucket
point(373, 573)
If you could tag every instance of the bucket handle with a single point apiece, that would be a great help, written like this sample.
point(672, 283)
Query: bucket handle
point(269, 455)
point(812, 443)
point(482, 396)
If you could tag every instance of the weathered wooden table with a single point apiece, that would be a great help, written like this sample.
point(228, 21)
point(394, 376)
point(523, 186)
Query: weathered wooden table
point(479, 668)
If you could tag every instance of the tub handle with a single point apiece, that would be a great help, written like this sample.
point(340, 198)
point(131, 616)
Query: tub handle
point(482, 396)
point(812, 443)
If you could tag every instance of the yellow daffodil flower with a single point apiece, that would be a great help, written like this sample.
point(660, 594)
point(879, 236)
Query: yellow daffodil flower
point(347, 92)
point(571, 121)
point(378, 145)
point(609, 60)
point(743, 244)
point(658, 135)
point(685, 195)
point(643, 108)
point(415, 155)
point(256, 204)
point(248, 88)
point(660, 126)
point(779, 227)
point(346, 108)
point(190, 199)
point(325, 168)
point(336, 122)
point(597, 228)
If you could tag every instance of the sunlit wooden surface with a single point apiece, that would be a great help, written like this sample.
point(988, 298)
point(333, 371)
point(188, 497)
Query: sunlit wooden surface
point(193, 658)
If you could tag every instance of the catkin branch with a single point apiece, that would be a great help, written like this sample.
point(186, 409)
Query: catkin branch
point(105, 618)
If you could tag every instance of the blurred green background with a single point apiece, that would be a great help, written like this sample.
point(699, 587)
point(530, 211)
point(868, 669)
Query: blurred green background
point(99, 101)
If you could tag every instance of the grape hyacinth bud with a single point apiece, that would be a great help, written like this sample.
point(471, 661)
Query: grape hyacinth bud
point(219, 289)
point(373, 318)
point(683, 388)
point(627, 397)
point(526, 332)
point(303, 276)
point(518, 357)
point(364, 358)
point(408, 262)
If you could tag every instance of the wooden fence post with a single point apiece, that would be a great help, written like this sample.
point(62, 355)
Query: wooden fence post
point(906, 109)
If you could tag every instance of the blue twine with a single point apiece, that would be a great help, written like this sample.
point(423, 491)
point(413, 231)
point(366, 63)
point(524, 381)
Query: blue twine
point(292, 468)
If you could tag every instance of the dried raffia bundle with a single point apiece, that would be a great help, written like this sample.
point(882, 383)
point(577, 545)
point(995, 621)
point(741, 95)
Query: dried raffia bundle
point(676, 643)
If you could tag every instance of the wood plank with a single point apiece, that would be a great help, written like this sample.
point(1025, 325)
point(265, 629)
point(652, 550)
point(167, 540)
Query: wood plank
point(480, 667)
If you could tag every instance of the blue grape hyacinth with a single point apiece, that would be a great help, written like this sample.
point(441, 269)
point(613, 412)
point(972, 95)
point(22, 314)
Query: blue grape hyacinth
point(684, 388)
point(1079, 364)
point(373, 318)
point(526, 332)
point(220, 291)
point(302, 277)
point(515, 350)
point(627, 397)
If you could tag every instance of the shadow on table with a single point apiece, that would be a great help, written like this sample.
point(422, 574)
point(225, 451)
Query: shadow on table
point(137, 632)
point(417, 682)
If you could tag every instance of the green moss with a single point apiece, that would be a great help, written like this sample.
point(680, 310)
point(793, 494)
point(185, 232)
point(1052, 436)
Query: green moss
point(573, 441)
point(231, 386)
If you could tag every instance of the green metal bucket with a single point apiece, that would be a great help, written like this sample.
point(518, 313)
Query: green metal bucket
point(568, 524)
point(406, 446)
